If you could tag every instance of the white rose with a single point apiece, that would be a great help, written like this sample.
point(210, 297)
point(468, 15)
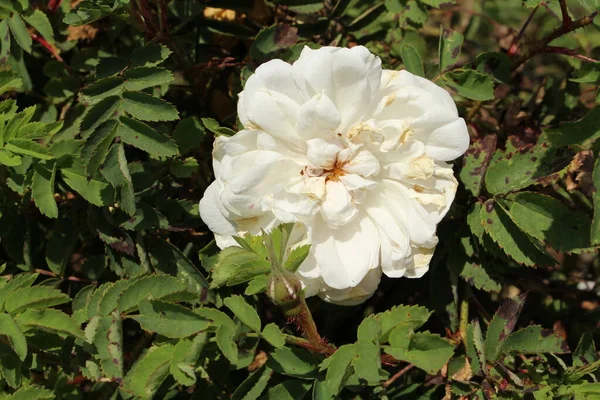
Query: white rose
point(354, 154)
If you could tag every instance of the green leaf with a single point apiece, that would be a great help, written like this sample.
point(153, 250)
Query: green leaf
point(116, 172)
point(585, 353)
point(501, 326)
point(235, 265)
point(147, 108)
point(60, 246)
point(185, 357)
point(470, 84)
point(189, 135)
point(102, 89)
point(157, 286)
point(108, 340)
point(93, 191)
point(254, 385)
point(475, 163)
point(340, 8)
point(34, 297)
point(107, 297)
point(257, 285)
point(213, 126)
point(521, 166)
point(507, 235)
point(39, 130)
point(294, 362)
point(577, 132)
point(413, 316)
point(28, 148)
point(292, 389)
point(96, 146)
point(42, 189)
point(588, 73)
point(549, 220)
point(110, 66)
point(16, 338)
point(150, 55)
point(225, 338)
point(425, 350)
point(412, 60)
point(243, 311)
point(32, 393)
point(19, 32)
point(149, 371)
point(9, 81)
point(272, 334)
point(367, 362)
point(49, 320)
point(40, 22)
point(272, 39)
point(25, 279)
point(9, 159)
point(340, 368)
point(170, 320)
point(145, 138)
point(17, 122)
point(98, 114)
point(145, 77)
point(449, 50)
point(534, 340)
point(595, 227)
point(169, 259)
point(476, 349)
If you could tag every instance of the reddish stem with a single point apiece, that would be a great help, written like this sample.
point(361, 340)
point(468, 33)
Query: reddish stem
point(47, 45)
point(568, 52)
point(515, 43)
point(566, 19)
point(53, 5)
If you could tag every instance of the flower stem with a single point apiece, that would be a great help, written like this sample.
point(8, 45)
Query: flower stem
point(397, 375)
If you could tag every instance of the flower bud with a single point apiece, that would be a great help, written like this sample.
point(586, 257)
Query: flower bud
point(285, 290)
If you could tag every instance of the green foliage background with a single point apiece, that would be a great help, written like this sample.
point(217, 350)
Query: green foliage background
point(112, 288)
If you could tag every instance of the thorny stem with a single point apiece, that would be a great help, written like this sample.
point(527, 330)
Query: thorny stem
point(397, 375)
point(568, 52)
point(542, 45)
point(515, 43)
point(566, 19)
point(306, 324)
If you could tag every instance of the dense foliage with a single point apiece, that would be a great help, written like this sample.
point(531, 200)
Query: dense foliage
point(113, 288)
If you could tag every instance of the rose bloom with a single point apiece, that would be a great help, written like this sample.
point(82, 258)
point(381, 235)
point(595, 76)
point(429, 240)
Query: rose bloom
point(354, 155)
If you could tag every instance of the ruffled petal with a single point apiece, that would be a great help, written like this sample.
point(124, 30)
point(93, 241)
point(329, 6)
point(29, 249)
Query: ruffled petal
point(354, 295)
point(338, 208)
point(318, 117)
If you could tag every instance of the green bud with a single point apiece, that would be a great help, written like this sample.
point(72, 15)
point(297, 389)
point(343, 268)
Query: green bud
point(285, 290)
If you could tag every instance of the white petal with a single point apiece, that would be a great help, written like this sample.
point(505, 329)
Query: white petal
point(212, 215)
point(275, 75)
point(323, 153)
point(356, 182)
point(338, 208)
point(345, 255)
point(318, 117)
point(300, 206)
point(363, 163)
point(355, 295)
point(447, 142)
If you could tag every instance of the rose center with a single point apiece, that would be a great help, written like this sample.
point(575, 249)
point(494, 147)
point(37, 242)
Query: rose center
point(334, 173)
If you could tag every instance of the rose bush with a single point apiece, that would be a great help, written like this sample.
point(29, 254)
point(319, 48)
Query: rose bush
point(354, 154)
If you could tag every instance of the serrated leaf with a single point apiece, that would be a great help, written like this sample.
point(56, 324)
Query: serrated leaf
point(19, 32)
point(169, 259)
point(39, 130)
point(24, 279)
point(149, 371)
point(294, 362)
point(32, 393)
point(339, 368)
point(413, 316)
point(157, 286)
point(150, 55)
point(449, 50)
point(49, 320)
point(147, 108)
point(144, 77)
point(99, 113)
point(13, 126)
point(110, 66)
point(257, 285)
point(29, 148)
point(189, 134)
point(225, 338)
point(291, 389)
point(106, 301)
point(549, 220)
point(170, 320)
point(412, 60)
point(470, 84)
point(501, 326)
point(93, 191)
point(507, 235)
point(40, 22)
point(95, 148)
point(475, 348)
point(16, 338)
point(9, 159)
point(525, 165)
point(213, 126)
point(145, 138)
point(585, 353)
point(243, 311)
point(595, 226)
point(235, 265)
point(272, 39)
point(108, 340)
point(534, 340)
point(272, 334)
point(586, 128)
point(185, 357)
point(42, 189)
point(367, 362)
point(34, 297)
point(9, 81)
point(102, 89)
point(254, 385)
point(475, 163)
point(116, 171)
point(427, 351)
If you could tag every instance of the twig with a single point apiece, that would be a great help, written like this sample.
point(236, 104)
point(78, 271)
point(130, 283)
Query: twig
point(47, 46)
point(566, 19)
point(66, 278)
point(568, 52)
point(514, 46)
point(397, 375)
point(558, 32)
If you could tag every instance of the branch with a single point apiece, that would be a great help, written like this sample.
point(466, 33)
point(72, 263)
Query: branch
point(558, 32)
point(397, 375)
point(566, 19)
